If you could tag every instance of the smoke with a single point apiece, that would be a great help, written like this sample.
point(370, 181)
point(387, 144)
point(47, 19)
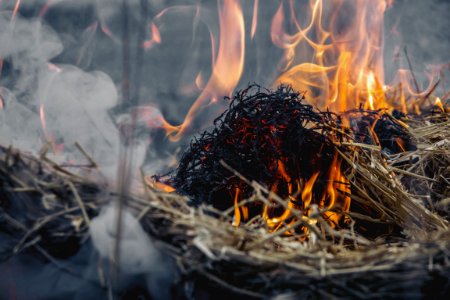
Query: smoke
point(137, 253)
point(422, 28)
point(48, 100)
point(44, 102)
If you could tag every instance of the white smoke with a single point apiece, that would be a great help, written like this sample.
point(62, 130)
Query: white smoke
point(138, 254)
point(61, 103)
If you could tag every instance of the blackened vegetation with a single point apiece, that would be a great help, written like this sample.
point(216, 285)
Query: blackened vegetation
point(262, 128)
point(259, 129)
point(375, 127)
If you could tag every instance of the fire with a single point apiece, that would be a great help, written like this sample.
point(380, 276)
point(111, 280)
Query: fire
point(334, 52)
point(438, 103)
point(227, 63)
point(344, 65)
point(158, 185)
point(334, 201)
point(49, 138)
point(254, 18)
point(155, 37)
point(16, 10)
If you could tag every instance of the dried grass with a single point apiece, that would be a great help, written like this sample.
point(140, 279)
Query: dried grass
point(406, 195)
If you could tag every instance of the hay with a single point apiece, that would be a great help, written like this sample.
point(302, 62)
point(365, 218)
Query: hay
point(46, 208)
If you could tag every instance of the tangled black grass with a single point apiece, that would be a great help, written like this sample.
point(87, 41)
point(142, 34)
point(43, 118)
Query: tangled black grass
point(383, 129)
point(260, 129)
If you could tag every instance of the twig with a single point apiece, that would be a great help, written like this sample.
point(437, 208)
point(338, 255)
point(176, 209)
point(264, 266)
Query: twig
point(80, 203)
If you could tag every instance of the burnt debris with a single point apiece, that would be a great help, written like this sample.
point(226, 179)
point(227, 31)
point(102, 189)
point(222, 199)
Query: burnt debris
point(263, 131)
point(260, 129)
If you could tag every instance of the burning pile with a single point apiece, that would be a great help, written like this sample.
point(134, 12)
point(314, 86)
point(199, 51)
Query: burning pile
point(291, 149)
point(277, 140)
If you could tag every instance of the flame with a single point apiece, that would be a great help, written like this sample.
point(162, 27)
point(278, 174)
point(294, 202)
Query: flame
point(301, 195)
point(254, 18)
point(227, 68)
point(43, 121)
point(344, 65)
point(439, 104)
point(401, 144)
point(338, 191)
point(49, 138)
point(237, 213)
point(199, 81)
point(158, 185)
point(16, 10)
point(155, 39)
point(105, 29)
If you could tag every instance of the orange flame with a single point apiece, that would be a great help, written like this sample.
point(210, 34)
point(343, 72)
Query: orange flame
point(332, 203)
point(345, 66)
point(43, 120)
point(16, 10)
point(56, 148)
point(439, 104)
point(227, 66)
point(158, 185)
point(155, 39)
point(254, 18)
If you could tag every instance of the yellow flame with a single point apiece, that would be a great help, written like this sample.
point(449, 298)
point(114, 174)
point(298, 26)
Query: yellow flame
point(227, 66)
point(439, 104)
point(345, 67)
point(334, 201)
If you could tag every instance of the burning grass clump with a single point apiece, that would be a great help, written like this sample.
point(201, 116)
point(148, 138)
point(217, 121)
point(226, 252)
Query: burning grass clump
point(304, 159)
point(277, 140)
